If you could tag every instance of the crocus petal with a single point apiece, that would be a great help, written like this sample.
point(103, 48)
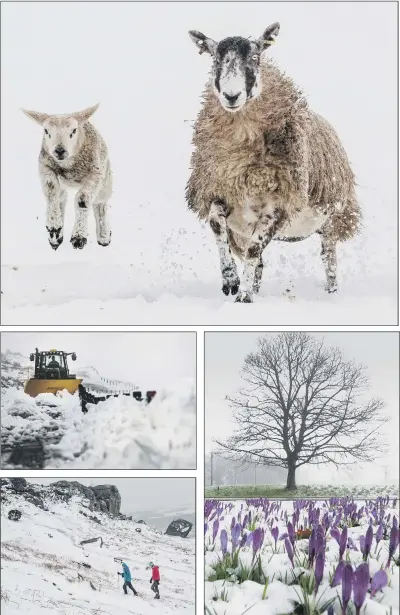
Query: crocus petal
point(347, 584)
point(379, 580)
point(360, 584)
point(338, 575)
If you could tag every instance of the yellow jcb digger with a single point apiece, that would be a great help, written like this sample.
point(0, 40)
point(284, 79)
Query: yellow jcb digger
point(51, 373)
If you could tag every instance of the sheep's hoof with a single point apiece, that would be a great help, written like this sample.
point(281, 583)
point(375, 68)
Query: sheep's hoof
point(78, 242)
point(230, 280)
point(332, 290)
point(229, 287)
point(105, 241)
point(244, 298)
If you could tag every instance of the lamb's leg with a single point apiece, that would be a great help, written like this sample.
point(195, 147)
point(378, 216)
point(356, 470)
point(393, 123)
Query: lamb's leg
point(83, 200)
point(55, 200)
point(103, 230)
point(217, 219)
point(268, 224)
point(328, 255)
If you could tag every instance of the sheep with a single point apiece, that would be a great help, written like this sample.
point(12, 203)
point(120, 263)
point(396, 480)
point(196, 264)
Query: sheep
point(264, 165)
point(74, 154)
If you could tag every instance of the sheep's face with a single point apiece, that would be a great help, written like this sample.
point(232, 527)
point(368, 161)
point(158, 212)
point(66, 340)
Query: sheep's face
point(61, 137)
point(236, 68)
point(63, 134)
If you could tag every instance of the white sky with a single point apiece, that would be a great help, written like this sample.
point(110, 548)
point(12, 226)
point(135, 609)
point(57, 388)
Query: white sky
point(150, 360)
point(379, 352)
point(139, 494)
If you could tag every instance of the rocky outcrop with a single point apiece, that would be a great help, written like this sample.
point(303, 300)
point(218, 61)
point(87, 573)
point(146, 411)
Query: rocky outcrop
point(103, 498)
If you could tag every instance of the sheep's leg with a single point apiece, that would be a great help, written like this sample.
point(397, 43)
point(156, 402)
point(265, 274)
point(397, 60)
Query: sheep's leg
point(258, 276)
point(268, 224)
point(103, 231)
point(217, 219)
point(55, 200)
point(328, 255)
point(83, 200)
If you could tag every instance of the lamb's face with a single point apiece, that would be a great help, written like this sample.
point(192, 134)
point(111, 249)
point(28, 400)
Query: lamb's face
point(61, 136)
point(236, 72)
point(236, 66)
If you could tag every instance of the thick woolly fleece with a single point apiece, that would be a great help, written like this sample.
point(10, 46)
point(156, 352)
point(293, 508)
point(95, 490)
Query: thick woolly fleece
point(275, 147)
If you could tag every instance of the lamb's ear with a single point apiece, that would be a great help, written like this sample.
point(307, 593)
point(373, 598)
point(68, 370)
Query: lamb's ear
point(83, 116)
point(268, 38)
point(202, 42)
point(40, 118)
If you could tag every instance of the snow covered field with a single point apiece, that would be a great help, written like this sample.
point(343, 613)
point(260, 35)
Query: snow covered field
point(162, 266)
point(117, 433)
point(250, 563)
point(45, 570)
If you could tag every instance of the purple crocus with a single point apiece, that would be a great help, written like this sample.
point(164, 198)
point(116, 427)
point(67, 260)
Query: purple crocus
point(360, 586)
point(368, 542)
point(362, 544)
point(224, 542)
point(343, 542)
point(311, 548)
point(379, 534)
point(235, 534)
point(393, 542)
point(243, 542)
point(289, 550)
point(291, 532)
point(215, 529)
point(347, 586)
point(257, 540)
point(338, 574)
point(319, 569)
point(379, 580)
point(275, 534)
point(205, 528)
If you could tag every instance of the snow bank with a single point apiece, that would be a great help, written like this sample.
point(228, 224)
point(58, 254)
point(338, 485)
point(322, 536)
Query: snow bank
point(45, 570)
point(117, 433)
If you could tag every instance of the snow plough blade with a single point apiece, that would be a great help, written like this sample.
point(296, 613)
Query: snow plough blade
point(34, 387)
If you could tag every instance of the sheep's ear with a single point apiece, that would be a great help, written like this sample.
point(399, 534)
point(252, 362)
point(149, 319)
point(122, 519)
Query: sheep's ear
point(40, 118)
point(202, 42)
point(83, 116)
point(268, 38)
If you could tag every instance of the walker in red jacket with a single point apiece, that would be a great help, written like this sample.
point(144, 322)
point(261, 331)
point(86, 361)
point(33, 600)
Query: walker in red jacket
point(155, 580)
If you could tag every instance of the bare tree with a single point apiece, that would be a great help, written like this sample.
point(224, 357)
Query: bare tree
point(304, 405)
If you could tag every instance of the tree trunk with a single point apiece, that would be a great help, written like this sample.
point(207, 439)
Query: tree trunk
point(291, 477)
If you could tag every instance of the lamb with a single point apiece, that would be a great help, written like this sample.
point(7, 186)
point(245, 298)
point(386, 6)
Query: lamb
point(74, 155)
point(264, 165)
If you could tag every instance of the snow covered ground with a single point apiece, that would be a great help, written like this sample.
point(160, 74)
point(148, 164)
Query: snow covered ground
point(162, 265)
point(117, 433)
point(266, 583)
point(45, 570)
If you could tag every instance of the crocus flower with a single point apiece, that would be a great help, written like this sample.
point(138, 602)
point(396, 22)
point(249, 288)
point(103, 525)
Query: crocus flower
point(343, 542)
point(351, 544)
point(257, 540)
point(233, 523)
point(224, 542)
point(379, 580)
point(319, 569)
point(347, 585)
point(291, 532)
point(215, 529)
point(362, 544)
point(368, 542)
point(338, 575)
point(289, 550)
point(393, 542)
point(379, 534)
point(311, 548)
point(235, 534)
point(360, 586)
point(243, 541)
point(275, 533)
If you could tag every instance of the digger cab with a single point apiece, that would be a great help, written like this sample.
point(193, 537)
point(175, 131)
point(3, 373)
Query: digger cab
point(51, 373)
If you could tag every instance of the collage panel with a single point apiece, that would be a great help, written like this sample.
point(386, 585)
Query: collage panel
point(302, 473)
point(98, 400)
point(103, 546)
point(251, 158)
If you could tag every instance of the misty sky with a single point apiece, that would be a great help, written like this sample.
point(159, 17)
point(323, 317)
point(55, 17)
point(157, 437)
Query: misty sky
point(379, 352)
point(149, 360)
point(140, 494)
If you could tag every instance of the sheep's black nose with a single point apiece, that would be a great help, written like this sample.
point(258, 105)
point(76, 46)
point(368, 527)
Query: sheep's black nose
point(231, 98)
point(60, 152)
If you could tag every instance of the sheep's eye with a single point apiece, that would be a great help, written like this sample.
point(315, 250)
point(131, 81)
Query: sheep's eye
point(255, 57)
point(72, 133)
point(46, 132)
